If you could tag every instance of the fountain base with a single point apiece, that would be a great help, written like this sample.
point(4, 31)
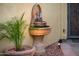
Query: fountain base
point(39, 45)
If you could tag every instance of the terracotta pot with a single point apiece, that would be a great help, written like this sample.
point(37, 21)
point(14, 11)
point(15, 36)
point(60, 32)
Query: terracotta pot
point(39, 31)
point(25, 52)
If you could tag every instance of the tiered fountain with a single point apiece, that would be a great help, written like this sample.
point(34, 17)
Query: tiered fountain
point(38, 29)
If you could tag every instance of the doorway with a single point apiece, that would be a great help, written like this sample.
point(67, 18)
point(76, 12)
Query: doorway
point(73, 20)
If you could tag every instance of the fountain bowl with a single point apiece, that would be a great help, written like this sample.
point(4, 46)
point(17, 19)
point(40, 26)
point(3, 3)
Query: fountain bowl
point(39, 31)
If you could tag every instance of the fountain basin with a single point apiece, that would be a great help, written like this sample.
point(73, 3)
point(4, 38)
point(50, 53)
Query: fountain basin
point(38, 31)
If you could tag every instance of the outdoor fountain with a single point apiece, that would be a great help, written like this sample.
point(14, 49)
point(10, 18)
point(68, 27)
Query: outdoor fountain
point(38, 29)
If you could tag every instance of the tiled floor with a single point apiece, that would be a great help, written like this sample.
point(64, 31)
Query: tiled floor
point(70, 48)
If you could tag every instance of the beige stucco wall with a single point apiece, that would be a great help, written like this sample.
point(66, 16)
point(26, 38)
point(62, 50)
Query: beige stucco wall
point(54, 14)
point(63, 21)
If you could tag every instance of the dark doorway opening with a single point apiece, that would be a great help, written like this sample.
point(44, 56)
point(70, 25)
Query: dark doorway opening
point(73, 20)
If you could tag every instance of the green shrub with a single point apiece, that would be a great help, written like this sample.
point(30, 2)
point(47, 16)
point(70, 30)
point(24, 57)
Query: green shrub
point(14, 31)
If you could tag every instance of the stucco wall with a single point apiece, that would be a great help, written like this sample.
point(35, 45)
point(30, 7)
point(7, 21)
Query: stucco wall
point(63, 21)
point(54, 14)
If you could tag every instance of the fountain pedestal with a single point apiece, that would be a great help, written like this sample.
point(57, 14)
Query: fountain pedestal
point(38, 35)
point(38, 43)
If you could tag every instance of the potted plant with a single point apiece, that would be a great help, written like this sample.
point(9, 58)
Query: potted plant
point(14, 31)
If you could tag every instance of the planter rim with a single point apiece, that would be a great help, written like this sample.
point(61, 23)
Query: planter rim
point(20, 52)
